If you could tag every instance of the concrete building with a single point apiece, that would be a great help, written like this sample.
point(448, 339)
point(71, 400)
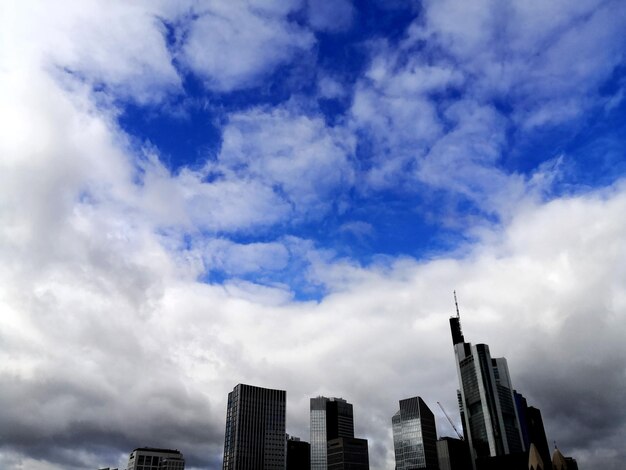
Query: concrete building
point(152, 458)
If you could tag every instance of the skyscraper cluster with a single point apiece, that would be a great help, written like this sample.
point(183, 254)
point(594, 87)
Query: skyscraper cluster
point(500, 430)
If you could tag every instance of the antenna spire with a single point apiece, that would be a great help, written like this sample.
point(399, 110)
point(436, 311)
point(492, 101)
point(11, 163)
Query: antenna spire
point(456, 304)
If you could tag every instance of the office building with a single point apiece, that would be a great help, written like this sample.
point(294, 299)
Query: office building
point(531, 424)
point(152, 458)
point(298, 454)
point(331, 418)
point(486, 401)
point(414, 436)
point(348, 453)
point(453, 454)
point(255, 429)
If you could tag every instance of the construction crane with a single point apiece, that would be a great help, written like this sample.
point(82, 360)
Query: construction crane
point(450, 421)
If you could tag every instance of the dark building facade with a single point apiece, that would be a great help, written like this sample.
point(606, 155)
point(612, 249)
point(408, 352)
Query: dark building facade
point(414, 436)
point(331, 418)
point(298, 454)
point(453, 454)
point(345, 453)
point(531, 424)
point(255, 429)
point(486, 402)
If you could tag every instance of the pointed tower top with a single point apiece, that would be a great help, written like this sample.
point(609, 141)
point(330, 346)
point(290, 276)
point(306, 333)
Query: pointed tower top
point(455, 325)
point(558, 461)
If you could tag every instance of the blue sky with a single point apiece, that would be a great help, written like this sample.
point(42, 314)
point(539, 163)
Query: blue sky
point(195, 194)
point(366, 56)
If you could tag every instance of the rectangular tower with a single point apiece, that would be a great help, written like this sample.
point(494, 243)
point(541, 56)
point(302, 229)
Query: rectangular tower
point(348, 453)
point(414, 436)
point(331, 418)
point(490, 421)
point(151, 458)
point(255, 429)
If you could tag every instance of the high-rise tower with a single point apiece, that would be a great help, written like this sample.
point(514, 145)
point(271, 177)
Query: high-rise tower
point(487, 405)
point(414, 436)
point(331, 418)
point(255, 429)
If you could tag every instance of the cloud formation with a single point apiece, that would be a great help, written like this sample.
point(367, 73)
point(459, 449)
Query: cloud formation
point(135, 294)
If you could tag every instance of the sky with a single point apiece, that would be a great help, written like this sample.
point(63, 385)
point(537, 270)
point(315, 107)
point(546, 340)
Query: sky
point(286, 193)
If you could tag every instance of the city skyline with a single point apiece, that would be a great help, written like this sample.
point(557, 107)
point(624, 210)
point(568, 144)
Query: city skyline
point(285, 193)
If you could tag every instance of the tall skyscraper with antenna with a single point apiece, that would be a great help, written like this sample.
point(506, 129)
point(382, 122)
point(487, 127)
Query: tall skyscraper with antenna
point(490, 421)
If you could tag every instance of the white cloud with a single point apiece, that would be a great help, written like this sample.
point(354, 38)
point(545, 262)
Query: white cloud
point(108, 339)
point(237, 259)
point(116, 44)
point(233, 45)
point(306, 161)
point(547, 57)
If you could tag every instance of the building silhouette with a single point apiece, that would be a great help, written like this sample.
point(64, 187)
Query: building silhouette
point(414, 436)
point(298, 454)
point(255, 429)
point(152, 458)
point(453, 454)
point(348, 453)
point(533, 432)
point(331, 418)
point(490, 420)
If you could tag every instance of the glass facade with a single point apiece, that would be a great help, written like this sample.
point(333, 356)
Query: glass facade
point(490, 420)
point(255, 429)
point(414, 436)
point(331, 418)
point(318, 433)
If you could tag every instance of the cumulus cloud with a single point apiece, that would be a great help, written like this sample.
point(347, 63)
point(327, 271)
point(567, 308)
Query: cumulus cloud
point(430, 105)
point(110, 339)
point(119, 46)
point(307, 162)
point(233, 45)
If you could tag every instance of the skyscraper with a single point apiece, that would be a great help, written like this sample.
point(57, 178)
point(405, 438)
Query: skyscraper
point(487, 405)
point(255, 429)
point(414, 436)
point(331, 418)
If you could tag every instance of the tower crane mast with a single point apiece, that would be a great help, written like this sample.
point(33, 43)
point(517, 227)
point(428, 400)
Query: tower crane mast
point(450, 421)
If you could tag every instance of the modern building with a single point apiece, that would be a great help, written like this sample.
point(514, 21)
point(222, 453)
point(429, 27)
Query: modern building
point(331, 418)
point(298, 454)
point(255, 429)
point(348, 453)
point(531, 424)
point(414, 436)
point(490, 421)
point(152, 458)
point(453, 454)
